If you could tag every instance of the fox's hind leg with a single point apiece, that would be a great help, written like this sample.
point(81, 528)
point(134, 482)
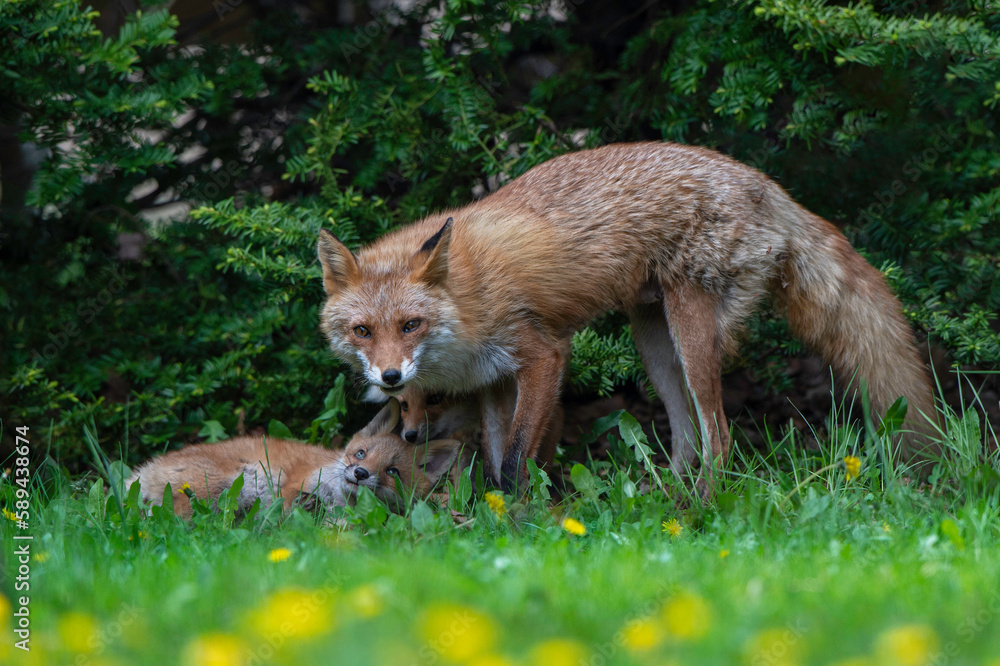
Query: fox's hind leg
point(659, 356)
point(693, 327)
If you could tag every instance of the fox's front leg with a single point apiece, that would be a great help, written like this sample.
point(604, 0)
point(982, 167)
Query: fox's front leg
point(496, 407)
point(538, 382)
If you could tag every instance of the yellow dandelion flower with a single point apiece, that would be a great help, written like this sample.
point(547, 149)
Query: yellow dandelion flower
point(687, 616)
point(295, 613)
point(777, 646)
point(559, 652)
point(673, 527)
point(885, 527)
point(723, 554)
point(185, 487)
point(215, 650)
point(78, 632)
point(853, 466)
point(279, 554)
point(40, 557)
point(642, 634)
point(365, 601)
point(495, 501)
point(9, 515)
point(907, 645)
point(457, 633)
point(574, 526)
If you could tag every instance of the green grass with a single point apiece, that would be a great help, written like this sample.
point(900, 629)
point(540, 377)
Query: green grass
point(790, 563)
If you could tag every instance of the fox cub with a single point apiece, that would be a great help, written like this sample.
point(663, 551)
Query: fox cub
point(687, 241)
point(375, 458)
point(426, 415)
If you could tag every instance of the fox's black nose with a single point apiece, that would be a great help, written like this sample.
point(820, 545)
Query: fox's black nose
point(392, 377)
point(360, 473)
point(410, 435)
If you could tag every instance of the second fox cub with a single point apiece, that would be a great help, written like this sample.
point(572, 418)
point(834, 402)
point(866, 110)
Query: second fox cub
point(685, 240)
point(426, 415)
point(374, 458)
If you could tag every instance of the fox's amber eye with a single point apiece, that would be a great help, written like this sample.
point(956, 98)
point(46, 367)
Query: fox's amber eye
point(434, 399)
point(360, 454)
point(362, 332)
point(404, 406)
point(411, 325)
point(393, 471)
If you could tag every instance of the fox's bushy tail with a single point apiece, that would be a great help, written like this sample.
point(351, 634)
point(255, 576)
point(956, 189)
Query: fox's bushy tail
point(842, 307)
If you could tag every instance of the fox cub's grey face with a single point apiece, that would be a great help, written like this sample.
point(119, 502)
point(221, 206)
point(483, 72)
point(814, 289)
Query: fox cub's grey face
point(381, 310)
point(372, 463)
point(381, 461)
point(426, 415)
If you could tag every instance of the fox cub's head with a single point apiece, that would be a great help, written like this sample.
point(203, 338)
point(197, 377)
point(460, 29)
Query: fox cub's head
point(426, 415)
point(385, 310)
point(376, 458)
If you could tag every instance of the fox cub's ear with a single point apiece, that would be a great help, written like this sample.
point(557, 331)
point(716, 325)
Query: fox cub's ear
point(384, 422)
point(430, 263)
point(340, 267)
point(374, 394)
point(436, 457)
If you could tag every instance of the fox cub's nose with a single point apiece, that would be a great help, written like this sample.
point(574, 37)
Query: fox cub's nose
point(392, 377)
point(410, 435)
point(360, 473)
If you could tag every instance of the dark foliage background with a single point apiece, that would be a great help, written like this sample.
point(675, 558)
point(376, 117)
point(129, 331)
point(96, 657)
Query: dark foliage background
point(125, 314)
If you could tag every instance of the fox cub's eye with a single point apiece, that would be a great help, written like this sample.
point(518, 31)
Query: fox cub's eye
point(404, 406)
point(434, 399)
point(411, 325)
point(393, 471)
point(360, 454)
point(362, 332)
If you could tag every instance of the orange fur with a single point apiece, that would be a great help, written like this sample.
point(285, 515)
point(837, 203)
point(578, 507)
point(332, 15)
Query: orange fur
point(428, 415)
point(292, 471)
point(688, 241)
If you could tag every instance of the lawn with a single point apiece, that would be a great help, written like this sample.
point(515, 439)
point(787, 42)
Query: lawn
point(794, 560)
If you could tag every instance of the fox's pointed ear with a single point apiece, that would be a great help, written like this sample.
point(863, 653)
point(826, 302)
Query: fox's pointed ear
point(384, 422)
point(430, 263)
point(436, 457)
point(340, 267)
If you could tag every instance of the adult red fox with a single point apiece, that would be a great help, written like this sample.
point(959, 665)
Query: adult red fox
point(374, 458)
point(685, 240)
